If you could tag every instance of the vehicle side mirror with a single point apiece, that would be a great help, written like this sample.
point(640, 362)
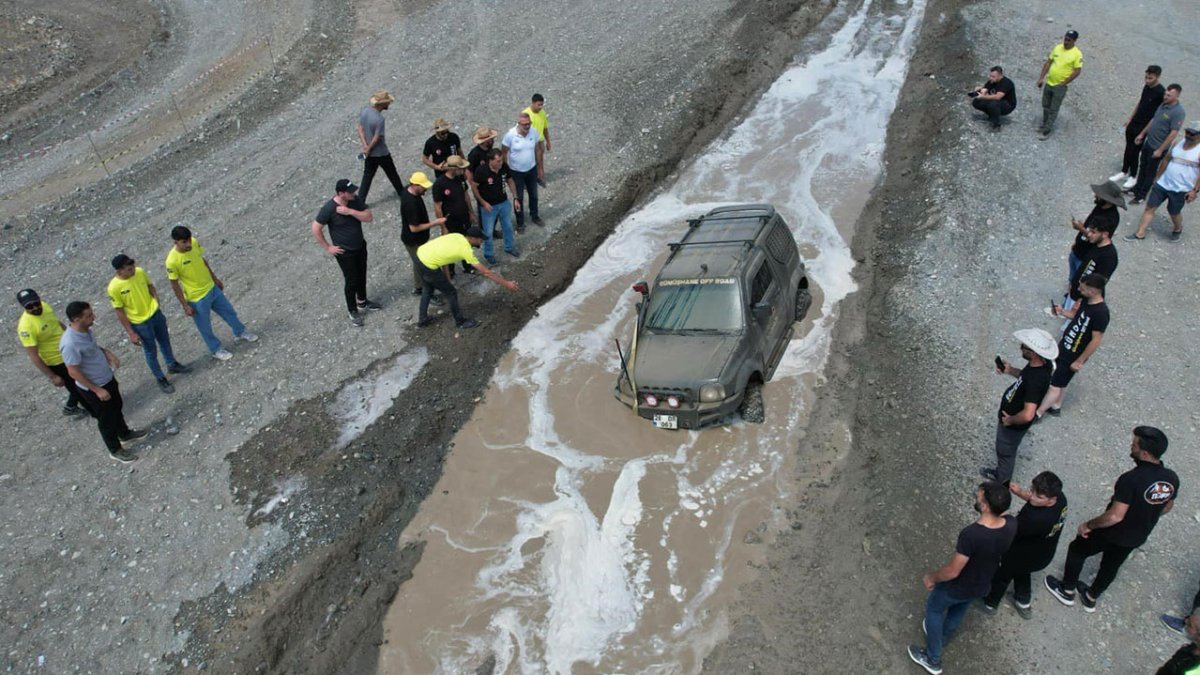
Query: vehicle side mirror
point(761, 311)
point(642, 287)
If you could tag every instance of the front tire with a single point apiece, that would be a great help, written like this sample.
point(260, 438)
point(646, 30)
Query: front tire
point(803, 303)
point(752, 409)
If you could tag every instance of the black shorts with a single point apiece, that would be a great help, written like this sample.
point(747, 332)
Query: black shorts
point(1062, 373)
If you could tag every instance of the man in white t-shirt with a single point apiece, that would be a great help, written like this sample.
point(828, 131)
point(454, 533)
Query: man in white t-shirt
point(1177, 183)
point(523, 152)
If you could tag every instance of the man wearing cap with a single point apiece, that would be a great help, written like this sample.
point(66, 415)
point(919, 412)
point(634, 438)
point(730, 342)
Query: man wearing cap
point(1018, 405)
point(200, 292)
point(537, 115)
point(1156, 139)
point(415, 223)
point(1060, 69)
point(490, 179)
point(1143, 112)
point(485, 140)
point(1141, 496)
point(438, 255)
point(1106, 200)
point(441, 146)
point(523, 152)
point(997, 97)
point(344, 214)
point(1087, 321)
point(374, 147)
point(91, 368)
point(1177, 183)
point(451, 203)
point(39, 331)
point(135, 301)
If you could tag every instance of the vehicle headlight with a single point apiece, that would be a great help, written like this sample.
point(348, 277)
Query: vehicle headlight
point(711, 393)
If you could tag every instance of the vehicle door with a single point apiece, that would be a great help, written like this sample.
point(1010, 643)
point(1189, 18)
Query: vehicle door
point(764, 311)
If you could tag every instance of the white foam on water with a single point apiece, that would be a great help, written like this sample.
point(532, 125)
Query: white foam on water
point(572, 586)
point(362, 401)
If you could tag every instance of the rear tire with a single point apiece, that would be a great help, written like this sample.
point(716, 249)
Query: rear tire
point(752, 409)
point(803, 303)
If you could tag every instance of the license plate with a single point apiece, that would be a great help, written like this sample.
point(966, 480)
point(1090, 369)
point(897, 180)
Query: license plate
point(665, 421)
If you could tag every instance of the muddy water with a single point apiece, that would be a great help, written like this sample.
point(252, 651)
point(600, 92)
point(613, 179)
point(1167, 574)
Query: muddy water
point(566, 534)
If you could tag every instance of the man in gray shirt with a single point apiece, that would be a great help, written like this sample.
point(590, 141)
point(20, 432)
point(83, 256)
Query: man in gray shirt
point(375, 154)
point(1156, 139)
point(91, 367)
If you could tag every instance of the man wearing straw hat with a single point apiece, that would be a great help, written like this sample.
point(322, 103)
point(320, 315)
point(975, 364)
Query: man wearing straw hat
point(374, 148)
point(441, 146)
point(1019, 404)
point(484, 140)
point(450, 201)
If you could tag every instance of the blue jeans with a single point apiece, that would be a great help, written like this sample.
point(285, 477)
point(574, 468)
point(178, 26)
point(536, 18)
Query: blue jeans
point(215, 301)
point(1073, 263)
point(153, 332)
point(944, 613)
point(503, 213)
point(526, 180)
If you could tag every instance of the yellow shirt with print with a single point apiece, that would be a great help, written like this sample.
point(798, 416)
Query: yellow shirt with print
point(538, 120)
point(190, 271)
point(133, 296)
point(446, 250)
point(1063, 62)
point(43, 332)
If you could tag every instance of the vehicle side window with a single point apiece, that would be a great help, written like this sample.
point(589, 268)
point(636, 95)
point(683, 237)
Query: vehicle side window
point(780, 243)
point(761, 284)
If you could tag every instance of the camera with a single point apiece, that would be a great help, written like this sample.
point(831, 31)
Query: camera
point(972, 94)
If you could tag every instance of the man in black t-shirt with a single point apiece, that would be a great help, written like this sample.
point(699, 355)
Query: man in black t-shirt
point(415, 223)
point(1087, 321)
point(1140, 497)
point(484, 140)
point(450, 201)
point(344, 216)
point(1018, 405)
point(490, 179)
point(1104, 216)
point(441, 146)
point(996, 97)
point(1039, 524)
point(953, 586)
point(1100, 259)
point(1143, 112)
point(1186, 660)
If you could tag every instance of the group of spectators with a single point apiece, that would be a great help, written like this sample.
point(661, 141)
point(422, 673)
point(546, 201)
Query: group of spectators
point(999, 549)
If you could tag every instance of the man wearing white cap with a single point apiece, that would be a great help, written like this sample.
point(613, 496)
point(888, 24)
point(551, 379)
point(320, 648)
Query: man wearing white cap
point(1019, 404)
point(1177, 183)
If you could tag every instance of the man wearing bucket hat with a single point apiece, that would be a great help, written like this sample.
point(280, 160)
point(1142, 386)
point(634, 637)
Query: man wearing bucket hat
point(450, 201)
point(441, 146)
point(374, 146)
point(39, 331)
point(437, 257)
point(415, 222)
point(344, 215)
point(1177, 183)
point(1060, 69)
point(1018, 405)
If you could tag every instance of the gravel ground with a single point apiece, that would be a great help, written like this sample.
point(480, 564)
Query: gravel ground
point(964, 242)
point(179, 562)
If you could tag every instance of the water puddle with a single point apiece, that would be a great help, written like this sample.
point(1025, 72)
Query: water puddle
point(567, 535)
point(366, 399)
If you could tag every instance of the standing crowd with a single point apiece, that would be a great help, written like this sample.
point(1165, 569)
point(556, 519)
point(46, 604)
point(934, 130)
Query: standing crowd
point(999, 549)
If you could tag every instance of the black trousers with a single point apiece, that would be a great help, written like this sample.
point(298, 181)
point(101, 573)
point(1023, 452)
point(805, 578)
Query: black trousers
point(73, 400)
point(1081, 549)
point(1133, 151)
point(1017, 571)
point(435, 280)
point(994, 109)
point(373, 164)
point(1147, 172)
point(354, 271)
point(110, 415)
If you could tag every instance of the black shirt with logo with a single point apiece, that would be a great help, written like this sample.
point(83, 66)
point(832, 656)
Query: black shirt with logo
point(344, 231)
point(1101, 260)
point(1147, 489)
point(1078, 335)
point(439, 150)
point(1038, 530)
point(477, 156)
point(1004, 86)
point(1029, 387)
point(1152, 97)
point(452, 195)
point(491, 183)
point(984, 547)
point(1100, 215)
point(413, 212)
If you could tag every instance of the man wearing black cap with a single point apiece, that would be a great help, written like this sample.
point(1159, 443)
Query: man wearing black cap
point(39, 331)
point(1060, 69)
point(1140, 497)
point(1107, 199)
point(344, 215)
point(438, 255)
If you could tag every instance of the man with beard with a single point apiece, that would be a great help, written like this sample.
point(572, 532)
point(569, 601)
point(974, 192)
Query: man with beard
point(1106, 199)
point(1087, 321)
point(450, 202)
point(1018, 404)
point(39, 331)
point(1039, 524)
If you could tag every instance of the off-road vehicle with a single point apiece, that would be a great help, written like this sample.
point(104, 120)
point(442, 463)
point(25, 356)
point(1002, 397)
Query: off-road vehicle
point(717, 321)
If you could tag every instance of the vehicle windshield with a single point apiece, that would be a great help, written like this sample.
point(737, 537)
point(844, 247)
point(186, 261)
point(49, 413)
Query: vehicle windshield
point(708, 305)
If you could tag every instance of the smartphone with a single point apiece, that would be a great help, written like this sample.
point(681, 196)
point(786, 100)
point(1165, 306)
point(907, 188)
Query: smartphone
point(1052, 312)
point(999, 364)
point(362, 156)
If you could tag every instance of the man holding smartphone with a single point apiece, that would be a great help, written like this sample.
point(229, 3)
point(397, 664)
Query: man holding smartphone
point(997, 97)
point(1018, 405)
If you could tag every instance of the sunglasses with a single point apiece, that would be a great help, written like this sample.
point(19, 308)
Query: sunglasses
point(32, 305)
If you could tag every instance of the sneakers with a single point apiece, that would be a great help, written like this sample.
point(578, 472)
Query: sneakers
point(491, 260)
point(1137, 200)
point(1129, 183)
point(1174, 623)
point(990, 610)
point(469, 270)
point(416, 291)
point(514, 253)
point(422, 323)
point(74, 411)
point(368, 306)
point(1118, 177)
point(1089, 604)
point(1025, 611)
point(222, 355)
point(178, 368)
point(134, 436)
point(1054, 412)
point(436, 300)
point(355, 319)
point(921, 658)
point(247, 336)
point(466, 323)
point(1176, 236)
point(1061, 594)
point(1132, 236)
point(989, 473)
point(123, 456)
point(167, 387)
point(538, 221)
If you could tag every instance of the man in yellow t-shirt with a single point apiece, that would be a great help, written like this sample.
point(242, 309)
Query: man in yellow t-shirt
point(135, 301)
point(200, 292)
point(437, 256)
point(537, 115)
point(1059, 70)
point(39, 330)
